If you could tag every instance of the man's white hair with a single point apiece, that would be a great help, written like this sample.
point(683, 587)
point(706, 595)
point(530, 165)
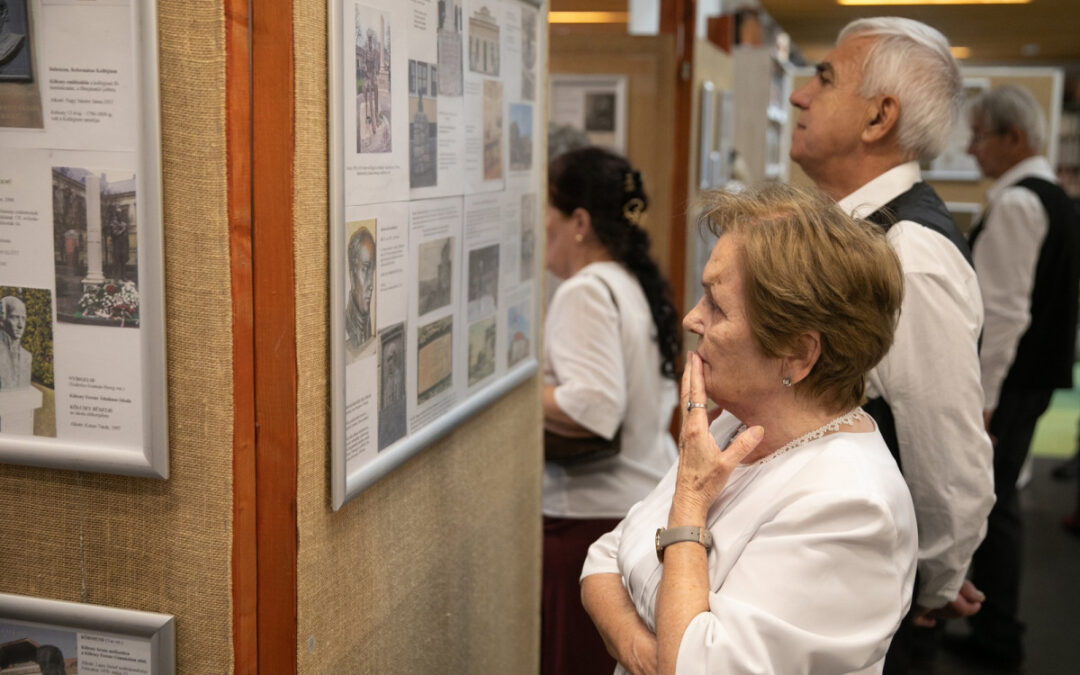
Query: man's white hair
point(912, 61)
point(1010, 106)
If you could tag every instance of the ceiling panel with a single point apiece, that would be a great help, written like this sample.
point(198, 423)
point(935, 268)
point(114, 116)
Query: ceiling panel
point(993, 33)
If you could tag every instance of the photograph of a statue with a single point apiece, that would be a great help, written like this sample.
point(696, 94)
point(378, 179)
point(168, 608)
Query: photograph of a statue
point(95, 244)
point(26, 362)
point(372, 80)
point(20, 98)
point(14, 359)
point(14, 41)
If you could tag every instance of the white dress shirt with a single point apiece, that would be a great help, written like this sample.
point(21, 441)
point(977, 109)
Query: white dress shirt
point(1005, 256)
point(931, 380)
point(812, 563)
point(605, 365)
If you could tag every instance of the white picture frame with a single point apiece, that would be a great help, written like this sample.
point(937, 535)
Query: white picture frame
point(414, 297)
point(107, 638)
point(106, 347)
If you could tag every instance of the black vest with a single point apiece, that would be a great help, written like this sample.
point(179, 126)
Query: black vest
point(921, 205)
point(1045, 353)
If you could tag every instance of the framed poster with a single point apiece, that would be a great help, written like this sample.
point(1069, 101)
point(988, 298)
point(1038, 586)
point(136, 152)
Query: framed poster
point(82, 339)
point(954, 162)
point(595, 104)
point(434, 183)
point(50, 636)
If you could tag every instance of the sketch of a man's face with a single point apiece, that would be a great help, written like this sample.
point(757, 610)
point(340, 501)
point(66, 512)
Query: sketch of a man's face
point(362, 268)
point(14, 317)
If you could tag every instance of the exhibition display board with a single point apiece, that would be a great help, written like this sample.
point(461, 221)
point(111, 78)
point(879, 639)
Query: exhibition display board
point(49, 636)
point(436, 111)
point(82, 345)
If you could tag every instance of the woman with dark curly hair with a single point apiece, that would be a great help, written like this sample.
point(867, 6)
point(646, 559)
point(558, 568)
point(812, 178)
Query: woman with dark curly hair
point(611, 340)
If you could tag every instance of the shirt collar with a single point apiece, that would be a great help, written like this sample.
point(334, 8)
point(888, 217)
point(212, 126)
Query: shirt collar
point(1036, 166)
point(881, 190)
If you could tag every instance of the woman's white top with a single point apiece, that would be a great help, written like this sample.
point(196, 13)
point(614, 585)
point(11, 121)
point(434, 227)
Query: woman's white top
point(812, 563)
point(605, 365)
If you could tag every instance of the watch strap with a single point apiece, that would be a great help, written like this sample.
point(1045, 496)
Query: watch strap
point(667, 536)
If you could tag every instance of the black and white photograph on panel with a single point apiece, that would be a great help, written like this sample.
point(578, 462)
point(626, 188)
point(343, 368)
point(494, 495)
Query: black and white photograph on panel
point(599, 111)
point(481, 350)
point(483, 281)
point(20, 95)
point(528, 54)
point(493, 129)
point(435, 269)
point(28, 648)
point(434, 358)
point(96, 246)
point(15, 52)
point(423, 124)
point(451, 23)
point(527, 263)
point(521, 136)
point(372, 80)
point(484, 42)
point(391, 384)
point(360, 298)
point(27, 386)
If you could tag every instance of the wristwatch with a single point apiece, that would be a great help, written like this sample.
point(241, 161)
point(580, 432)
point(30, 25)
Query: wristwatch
point(667, 537)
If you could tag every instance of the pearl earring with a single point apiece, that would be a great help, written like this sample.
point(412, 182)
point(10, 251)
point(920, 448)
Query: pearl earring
point(579, 237)
point(786, 381)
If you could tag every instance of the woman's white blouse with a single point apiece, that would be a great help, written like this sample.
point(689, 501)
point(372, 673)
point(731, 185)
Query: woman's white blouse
point(812, 564)
point(605, 365)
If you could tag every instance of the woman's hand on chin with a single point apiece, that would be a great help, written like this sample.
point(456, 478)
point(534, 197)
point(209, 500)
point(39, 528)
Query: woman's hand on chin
point(703, 468)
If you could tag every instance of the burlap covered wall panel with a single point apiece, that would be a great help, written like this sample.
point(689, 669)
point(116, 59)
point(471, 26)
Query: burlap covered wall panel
point(139, 543)
point(436, 568)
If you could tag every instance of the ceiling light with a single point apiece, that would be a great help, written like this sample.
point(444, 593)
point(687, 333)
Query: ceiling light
point(931, 2)
point(960, 52)
point(588, 17)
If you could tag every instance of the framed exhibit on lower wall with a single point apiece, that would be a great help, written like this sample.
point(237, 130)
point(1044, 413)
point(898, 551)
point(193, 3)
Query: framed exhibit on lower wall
point(82, 338)
point(436, 201)
point(49, 636)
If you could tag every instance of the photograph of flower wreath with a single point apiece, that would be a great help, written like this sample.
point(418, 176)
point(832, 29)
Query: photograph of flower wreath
point(96, 247)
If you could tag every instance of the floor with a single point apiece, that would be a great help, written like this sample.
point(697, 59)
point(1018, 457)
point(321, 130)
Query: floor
point(1050, 595)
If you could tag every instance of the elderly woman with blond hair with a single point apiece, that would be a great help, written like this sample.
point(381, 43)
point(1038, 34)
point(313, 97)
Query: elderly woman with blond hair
point(784, 539)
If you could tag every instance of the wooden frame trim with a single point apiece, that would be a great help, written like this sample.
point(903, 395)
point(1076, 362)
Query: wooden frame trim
point(678, 18)
point(238, 168)
point(274, 313)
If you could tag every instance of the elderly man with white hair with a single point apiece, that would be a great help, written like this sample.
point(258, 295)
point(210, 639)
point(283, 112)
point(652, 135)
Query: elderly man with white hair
point(1027, 254)
point(883, 99)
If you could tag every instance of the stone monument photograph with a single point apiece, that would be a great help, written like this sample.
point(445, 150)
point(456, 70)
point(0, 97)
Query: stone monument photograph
point(95, 246)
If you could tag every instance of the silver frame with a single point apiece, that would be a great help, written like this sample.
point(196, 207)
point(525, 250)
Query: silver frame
point(153, 462)
point(345, 487)
point(160, 629)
